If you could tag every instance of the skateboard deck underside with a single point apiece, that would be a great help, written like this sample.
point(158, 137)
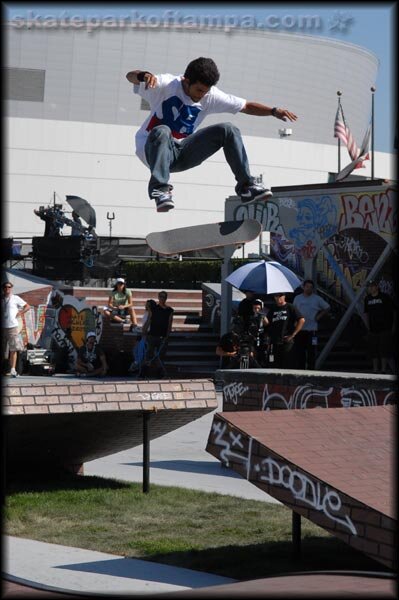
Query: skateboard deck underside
point(197, 237)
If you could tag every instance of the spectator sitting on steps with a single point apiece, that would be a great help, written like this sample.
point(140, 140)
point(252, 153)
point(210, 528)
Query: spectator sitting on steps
point(120, 304)
point(91, 358)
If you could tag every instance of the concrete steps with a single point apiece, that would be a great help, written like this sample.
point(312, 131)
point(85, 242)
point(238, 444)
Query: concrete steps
point(192, 343)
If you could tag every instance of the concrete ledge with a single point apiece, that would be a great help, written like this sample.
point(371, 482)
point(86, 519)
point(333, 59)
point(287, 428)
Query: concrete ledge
point(266, 389)
point(335, 467)
point(70, 422)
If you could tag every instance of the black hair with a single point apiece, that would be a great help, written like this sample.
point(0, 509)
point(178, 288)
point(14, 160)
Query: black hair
point(163, 293)
point(308, 281)
point(202, 70)
point(229, 341)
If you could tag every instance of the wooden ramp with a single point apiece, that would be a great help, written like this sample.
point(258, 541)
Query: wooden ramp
point(333, 466)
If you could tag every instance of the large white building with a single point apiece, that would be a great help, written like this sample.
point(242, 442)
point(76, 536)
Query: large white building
point(72, 117)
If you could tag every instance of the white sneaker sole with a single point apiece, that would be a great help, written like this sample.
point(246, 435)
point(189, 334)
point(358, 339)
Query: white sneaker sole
point(265, 196)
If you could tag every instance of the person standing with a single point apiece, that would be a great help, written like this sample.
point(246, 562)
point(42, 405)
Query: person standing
point(140, 346)
point(12, 307)
point(167, 141)
point(245, 307)
point(313, 308)
point(157, 328)
point(77, 228)
point(257, 325)
point(380, 313)
point(53, 220)
point(284, 322)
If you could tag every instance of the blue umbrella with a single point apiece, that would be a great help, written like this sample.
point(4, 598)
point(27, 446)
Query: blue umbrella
point(264, 277)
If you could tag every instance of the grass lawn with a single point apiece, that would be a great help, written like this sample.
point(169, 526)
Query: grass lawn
point(229, 536)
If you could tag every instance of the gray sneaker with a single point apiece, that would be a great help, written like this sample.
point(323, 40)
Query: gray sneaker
point(163, 199)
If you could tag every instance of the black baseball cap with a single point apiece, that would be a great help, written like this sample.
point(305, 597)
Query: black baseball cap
point(257, 302)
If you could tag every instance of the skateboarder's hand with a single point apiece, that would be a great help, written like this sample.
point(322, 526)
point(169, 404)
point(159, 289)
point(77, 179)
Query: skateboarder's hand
point(150, 80)
point(283, 114)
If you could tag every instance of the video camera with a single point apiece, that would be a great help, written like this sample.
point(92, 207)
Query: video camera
point(246, 348)
point(243, 343)
point(50, 210)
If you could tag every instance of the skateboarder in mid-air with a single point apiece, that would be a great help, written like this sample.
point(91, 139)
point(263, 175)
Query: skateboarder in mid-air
point(166, 141)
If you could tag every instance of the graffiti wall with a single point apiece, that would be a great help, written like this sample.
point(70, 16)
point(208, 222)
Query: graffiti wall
point(338, 235)
point(61, 324)
point(267, 470)
point(247, 390)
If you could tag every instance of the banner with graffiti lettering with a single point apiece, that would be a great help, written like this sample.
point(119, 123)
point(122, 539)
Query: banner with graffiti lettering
point(33, 323)
point(341, 233)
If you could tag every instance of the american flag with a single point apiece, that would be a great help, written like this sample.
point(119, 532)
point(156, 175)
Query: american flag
point(360, 158)
point(342, 131)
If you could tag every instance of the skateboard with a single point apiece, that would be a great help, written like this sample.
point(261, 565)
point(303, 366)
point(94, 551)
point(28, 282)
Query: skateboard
point(199, 237)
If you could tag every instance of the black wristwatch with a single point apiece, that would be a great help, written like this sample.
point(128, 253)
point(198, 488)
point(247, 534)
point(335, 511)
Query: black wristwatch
point(274, 110)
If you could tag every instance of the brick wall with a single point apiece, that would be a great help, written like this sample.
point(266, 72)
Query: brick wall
point(39, 296)
point(335, 467)
point(52, 424)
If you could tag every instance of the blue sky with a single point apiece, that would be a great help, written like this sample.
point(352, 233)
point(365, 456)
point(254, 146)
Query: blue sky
point(370, 25)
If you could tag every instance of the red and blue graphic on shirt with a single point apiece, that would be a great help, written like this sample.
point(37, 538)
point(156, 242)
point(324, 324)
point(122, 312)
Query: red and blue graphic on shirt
point(176, 115)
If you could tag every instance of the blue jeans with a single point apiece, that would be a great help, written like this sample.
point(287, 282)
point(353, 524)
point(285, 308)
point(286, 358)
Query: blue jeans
point(164, 155)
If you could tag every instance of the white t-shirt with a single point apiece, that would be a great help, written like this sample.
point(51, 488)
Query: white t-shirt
point(10, 308)
point(170, 105)
point(309, 306)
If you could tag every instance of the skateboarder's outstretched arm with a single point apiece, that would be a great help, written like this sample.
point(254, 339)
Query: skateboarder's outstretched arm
point(261, 110)
point(137, 77)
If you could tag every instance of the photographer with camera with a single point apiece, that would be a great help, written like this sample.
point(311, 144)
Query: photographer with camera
point(237, 351)
point(53, 218)
point(250, 328)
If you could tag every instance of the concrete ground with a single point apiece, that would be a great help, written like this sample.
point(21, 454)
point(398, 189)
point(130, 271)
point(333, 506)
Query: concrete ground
point(178, 459)
point(76, 570)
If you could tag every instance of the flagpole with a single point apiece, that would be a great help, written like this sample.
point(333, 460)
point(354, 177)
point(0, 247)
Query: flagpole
point(339, 94)
point(372, 89)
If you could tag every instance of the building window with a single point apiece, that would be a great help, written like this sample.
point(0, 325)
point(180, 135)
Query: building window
point(144, 105)
point(24, 84)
